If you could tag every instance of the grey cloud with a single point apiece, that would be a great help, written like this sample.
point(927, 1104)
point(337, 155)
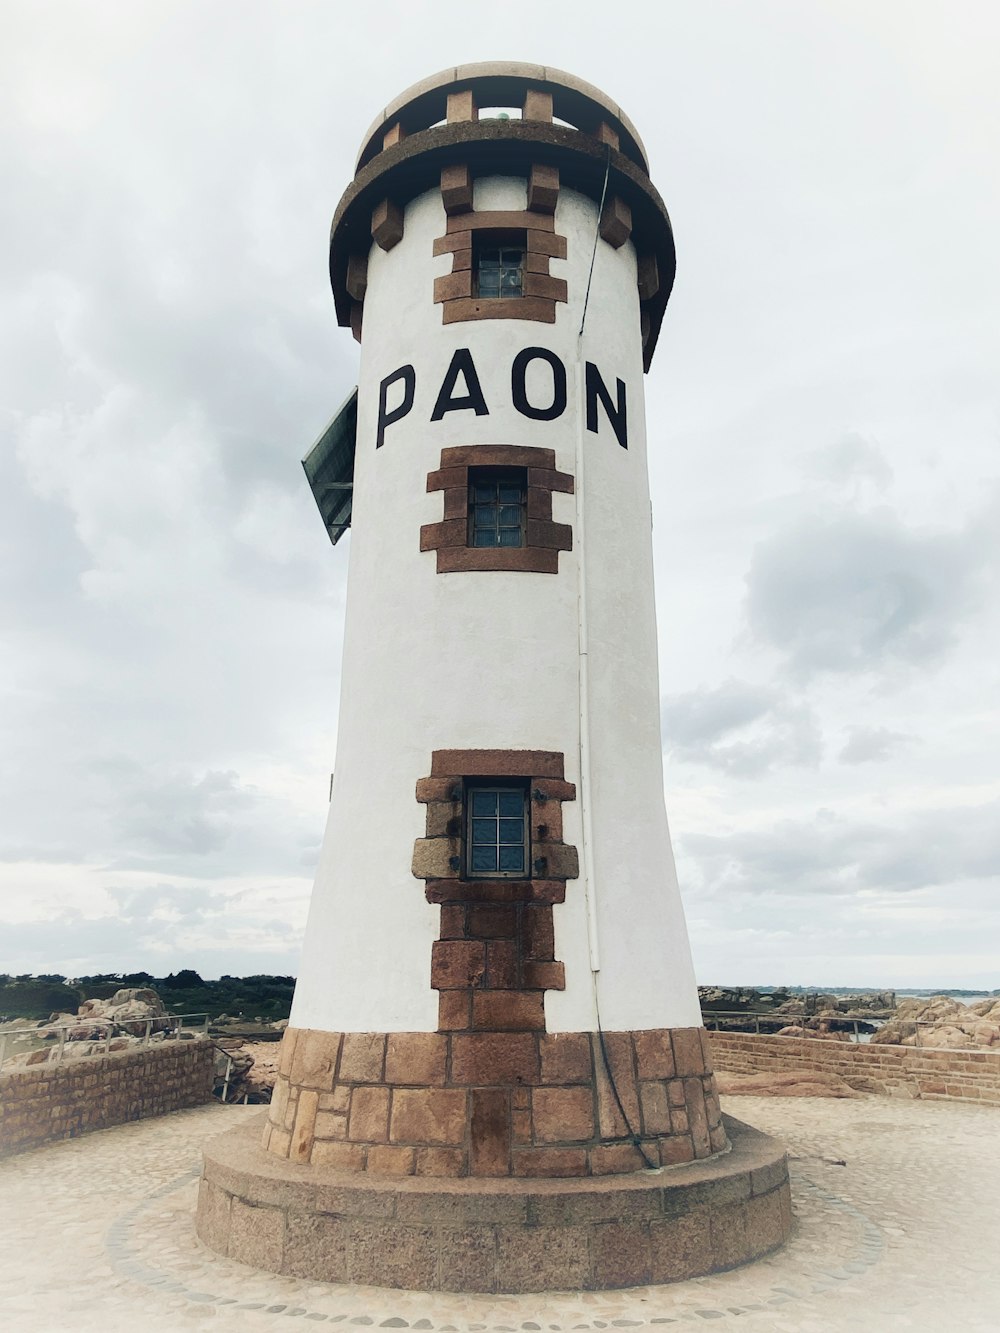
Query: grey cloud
point(846, 591)
point(148, 934)
point(866, 745)
point(170, 818)
point(833, 855)
point(851, 460)
point(741, 729)
point(180, 814)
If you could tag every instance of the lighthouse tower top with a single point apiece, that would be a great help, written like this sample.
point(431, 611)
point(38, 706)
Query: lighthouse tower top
point(502, 118)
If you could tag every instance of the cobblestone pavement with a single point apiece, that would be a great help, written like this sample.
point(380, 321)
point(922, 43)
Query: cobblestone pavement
point(896, 1228)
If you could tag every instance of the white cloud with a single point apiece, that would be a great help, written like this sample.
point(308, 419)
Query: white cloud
point(741, 729)
point(842, 590)
point(866, 745)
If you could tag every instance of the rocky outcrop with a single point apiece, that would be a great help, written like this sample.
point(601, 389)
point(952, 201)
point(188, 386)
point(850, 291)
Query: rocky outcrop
point(818, 1029)
point(764, 1010)
point(127, 1011)
point(252, 1072)
point(784, 1083)
point(99, 1027)
point(943, 1023)
point(740, 999)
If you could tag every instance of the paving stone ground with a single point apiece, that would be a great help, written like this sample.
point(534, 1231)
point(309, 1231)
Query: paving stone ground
point(896, 1228)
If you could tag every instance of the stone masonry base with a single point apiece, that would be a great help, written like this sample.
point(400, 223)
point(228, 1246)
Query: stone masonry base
point(494, 1235)
point(493, 1103)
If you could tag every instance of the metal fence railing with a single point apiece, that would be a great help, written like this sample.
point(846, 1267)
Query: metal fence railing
point(857, 1029)
point(93, 1036)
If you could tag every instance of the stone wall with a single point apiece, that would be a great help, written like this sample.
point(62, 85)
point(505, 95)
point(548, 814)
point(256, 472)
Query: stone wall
point(46, 1102)
point(896, 1071)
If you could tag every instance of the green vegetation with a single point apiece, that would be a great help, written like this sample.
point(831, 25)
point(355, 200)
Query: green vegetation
point(184, 992)
point(36, 997)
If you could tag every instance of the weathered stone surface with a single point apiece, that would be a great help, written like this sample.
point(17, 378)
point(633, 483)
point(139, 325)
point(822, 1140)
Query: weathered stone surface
point(428, 1116)
point(792, 1083)
point(518, 1234)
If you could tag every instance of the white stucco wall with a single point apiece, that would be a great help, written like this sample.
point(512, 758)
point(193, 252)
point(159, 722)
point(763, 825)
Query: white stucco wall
point(490, 659)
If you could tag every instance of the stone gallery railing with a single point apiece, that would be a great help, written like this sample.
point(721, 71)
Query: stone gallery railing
point(54, 1042)
point(897, 1071)
point(768, 1024)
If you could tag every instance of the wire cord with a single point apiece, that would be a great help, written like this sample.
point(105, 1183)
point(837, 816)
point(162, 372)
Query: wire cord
point(597, 234)
point(636, 1140)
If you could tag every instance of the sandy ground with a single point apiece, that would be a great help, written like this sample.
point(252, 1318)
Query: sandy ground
point(896, 1228)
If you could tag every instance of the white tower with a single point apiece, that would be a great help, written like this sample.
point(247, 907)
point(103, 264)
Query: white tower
point(496, 984)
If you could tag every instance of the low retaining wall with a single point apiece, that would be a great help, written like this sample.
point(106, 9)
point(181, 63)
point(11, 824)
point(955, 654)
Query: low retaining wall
point(42, 1103)
point(896, 1071)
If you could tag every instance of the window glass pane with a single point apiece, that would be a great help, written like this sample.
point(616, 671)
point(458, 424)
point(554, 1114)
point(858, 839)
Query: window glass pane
point(484, 831)
point(512, 830)
point(511, 803)
point(492, 523)
point(498, 269)
point(485, 858)
point(511, 858)
point(484, 802)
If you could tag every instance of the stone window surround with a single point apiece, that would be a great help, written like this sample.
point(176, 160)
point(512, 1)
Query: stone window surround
point(493, 960)
point(543, 538)
point(454, 290)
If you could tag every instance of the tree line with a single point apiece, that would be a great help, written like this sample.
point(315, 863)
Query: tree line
point(185, 991)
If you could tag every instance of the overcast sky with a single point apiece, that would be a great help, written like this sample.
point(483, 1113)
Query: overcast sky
point(823, 413)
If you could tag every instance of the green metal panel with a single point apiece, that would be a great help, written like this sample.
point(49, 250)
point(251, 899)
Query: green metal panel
point(329, 469)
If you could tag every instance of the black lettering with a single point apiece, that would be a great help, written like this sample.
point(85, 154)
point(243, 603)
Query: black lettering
point(409, 377)
point(461, 364)
point(519, 392)
point(616, 412)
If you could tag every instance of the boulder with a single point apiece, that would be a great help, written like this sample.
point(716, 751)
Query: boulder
point(784, 1083)
point(942, 1023)
point(821, 1032)
point(263, 1075)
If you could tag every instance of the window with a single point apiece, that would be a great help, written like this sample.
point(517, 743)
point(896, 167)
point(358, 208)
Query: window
point(497, 506)
point(498, 265)
point(496, 837)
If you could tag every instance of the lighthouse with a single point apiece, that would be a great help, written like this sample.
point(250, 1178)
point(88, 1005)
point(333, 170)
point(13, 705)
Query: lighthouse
point(495, 1073)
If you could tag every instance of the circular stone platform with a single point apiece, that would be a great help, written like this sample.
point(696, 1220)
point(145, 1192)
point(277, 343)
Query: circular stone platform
point(494, 1235)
